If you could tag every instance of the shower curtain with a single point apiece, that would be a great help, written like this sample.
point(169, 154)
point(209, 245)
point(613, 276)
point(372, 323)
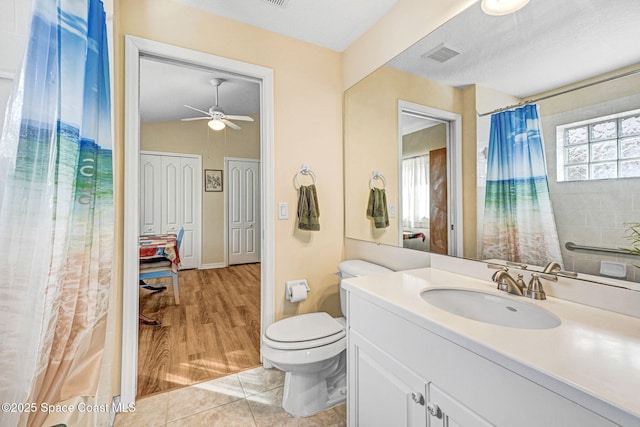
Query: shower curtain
point(519, 224)
point(56, 212)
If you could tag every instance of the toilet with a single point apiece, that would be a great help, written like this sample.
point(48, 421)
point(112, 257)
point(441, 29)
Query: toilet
point(311, 350)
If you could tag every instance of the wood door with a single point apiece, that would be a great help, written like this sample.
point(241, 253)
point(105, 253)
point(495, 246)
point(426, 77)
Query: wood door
point(244, 211)
point(438, 216)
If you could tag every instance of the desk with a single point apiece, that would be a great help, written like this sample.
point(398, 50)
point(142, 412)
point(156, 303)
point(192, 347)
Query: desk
point(160, 245)
point(156, 246)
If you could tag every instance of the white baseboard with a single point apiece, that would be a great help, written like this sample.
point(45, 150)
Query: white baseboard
point(213, 265)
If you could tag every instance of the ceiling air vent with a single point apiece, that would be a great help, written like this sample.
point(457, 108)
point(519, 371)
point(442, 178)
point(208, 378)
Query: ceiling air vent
point(441, 53)
point(279, 3)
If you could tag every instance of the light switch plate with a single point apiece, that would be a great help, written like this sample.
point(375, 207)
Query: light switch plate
point(392, 211)
point(283, 210)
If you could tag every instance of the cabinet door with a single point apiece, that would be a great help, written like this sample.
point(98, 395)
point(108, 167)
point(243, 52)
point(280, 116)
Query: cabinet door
point(445, 411)
point(386, 393)
point(150, 194)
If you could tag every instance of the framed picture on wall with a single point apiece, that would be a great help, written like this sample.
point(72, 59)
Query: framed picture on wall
point(212, 180)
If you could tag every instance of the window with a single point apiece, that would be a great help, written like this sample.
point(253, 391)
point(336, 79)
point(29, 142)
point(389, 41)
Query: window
point(601, 148)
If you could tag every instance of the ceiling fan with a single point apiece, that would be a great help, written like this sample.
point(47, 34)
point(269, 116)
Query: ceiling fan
point(217, 118)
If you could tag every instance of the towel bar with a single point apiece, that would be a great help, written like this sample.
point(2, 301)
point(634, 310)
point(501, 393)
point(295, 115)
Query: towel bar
point(304, 170)
point(377, 175)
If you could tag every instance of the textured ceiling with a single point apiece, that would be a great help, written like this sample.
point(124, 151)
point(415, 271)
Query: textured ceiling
point(545, 45)
point(334, 24)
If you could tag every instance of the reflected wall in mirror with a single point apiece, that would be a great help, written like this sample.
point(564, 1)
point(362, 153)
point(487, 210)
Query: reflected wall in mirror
point(589, 123)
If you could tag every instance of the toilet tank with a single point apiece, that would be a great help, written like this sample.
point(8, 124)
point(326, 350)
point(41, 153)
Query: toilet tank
point(356, 268)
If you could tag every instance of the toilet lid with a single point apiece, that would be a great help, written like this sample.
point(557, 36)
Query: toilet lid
point(304, 327)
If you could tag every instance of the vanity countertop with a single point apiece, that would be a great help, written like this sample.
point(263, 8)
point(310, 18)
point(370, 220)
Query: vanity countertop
point(592, 358)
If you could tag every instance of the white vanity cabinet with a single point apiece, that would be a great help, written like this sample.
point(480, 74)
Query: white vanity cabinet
point(401, 374)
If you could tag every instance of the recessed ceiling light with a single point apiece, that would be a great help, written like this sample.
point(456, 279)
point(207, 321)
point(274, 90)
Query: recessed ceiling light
point(502, 7)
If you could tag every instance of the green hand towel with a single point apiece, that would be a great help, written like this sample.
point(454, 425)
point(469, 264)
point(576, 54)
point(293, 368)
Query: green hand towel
point(377, 208)
point(308, 209)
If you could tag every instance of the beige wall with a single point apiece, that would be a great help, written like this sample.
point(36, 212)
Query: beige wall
point(371, 141)
point(423, 141)
point(213, 146)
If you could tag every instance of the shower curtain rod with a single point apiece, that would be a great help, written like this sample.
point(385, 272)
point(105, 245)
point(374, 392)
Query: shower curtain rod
point(542, 98)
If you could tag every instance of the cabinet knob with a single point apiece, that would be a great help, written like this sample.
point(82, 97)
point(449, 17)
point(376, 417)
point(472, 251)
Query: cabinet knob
point(434, 410)
point(418, 398)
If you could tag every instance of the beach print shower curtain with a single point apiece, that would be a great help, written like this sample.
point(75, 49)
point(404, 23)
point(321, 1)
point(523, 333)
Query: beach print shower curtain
point(56, 213)
point(519, 224)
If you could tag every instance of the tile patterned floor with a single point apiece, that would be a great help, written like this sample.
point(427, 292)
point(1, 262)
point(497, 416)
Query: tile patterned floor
point(249, 398)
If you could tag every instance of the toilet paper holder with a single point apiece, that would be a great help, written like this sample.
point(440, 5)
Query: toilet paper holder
point(294, 283)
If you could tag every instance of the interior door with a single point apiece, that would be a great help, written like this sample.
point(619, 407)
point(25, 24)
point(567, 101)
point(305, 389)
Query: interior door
point(243, 211)
point(150, 190)
point(188, 206)
point(170, 199)
point(439, 217)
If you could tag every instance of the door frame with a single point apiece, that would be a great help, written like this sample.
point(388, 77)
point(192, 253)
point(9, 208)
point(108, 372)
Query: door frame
point(226, 202)
point(135, 47)
point(454, 170)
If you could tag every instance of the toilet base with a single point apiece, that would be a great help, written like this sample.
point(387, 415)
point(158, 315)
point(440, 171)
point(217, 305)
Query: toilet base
point(308, 394)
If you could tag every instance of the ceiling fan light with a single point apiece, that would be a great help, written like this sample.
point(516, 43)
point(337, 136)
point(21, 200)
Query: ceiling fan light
point(502, 7)
point(216, 124)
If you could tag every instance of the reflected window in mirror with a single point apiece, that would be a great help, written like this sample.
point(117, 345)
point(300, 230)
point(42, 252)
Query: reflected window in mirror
point(600, 148)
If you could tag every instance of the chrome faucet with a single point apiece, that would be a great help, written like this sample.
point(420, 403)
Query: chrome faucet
point(507, 283)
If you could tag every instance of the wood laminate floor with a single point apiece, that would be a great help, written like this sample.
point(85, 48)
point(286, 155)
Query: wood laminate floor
point(214, 332)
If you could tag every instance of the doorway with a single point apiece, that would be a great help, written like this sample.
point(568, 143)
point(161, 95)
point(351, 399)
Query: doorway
point(135, 48)
point(430, 179)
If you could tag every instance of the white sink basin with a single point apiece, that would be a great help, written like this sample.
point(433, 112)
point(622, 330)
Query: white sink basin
point(490, 308)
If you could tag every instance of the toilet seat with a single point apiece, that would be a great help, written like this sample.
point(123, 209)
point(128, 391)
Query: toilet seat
point(304, 331)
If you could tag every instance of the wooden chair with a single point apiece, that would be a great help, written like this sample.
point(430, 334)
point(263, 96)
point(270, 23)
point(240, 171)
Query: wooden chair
point(161, 268)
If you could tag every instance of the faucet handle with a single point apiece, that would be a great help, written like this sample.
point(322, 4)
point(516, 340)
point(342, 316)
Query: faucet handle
point(535, 290)
point(497, 266)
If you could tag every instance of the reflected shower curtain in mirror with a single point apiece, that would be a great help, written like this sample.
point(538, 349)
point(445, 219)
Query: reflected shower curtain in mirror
point(56, 211)
point(415, 192)
point(519, 224)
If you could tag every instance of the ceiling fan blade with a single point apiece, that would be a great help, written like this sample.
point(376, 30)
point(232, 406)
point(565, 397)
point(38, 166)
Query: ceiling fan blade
point(243, 118)
point(198, 110)
point(196, 118)
point(231, 124)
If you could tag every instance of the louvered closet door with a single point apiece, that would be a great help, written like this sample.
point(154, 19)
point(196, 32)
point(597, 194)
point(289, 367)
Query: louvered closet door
point(244, 211)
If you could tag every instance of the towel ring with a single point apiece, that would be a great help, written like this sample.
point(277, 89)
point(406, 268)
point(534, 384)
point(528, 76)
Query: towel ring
point(377, 175)
point(304, 170)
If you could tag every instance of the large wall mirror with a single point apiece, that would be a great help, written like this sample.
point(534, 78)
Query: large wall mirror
point(577, 63)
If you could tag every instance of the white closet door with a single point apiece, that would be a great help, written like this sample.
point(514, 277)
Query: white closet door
point(188, 206)
point(150, 194)
point(244, 211)
point(170, 198)
point(171, 194)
